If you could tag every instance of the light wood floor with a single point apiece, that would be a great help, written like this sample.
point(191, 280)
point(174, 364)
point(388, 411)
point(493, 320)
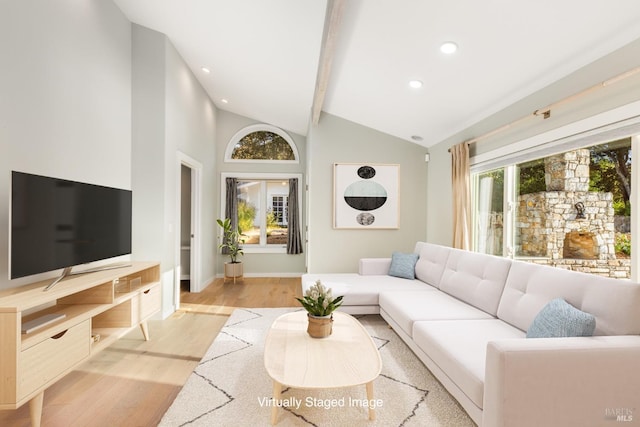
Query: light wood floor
point(133, 382)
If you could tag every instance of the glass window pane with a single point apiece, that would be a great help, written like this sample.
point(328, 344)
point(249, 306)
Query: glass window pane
point(263, 145)
point(573, 209)
point(277, 195)
point(531, 187)
point(610, 171)
point(249, 210)
point(489, 212)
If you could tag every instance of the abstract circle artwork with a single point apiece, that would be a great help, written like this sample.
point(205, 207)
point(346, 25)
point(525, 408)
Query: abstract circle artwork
point(366, 172)
point(366, 196)
point(365, 218)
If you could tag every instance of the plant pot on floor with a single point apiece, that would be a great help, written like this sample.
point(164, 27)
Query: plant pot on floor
point(233, 270)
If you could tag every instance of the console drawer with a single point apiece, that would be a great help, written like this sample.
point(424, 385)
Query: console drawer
point(45, 361)
point(147, 303)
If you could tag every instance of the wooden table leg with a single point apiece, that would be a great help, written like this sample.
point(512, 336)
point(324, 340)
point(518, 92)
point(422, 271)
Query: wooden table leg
point(372, 411)
point(145, 330)
point(35, 409)
point(277, 394)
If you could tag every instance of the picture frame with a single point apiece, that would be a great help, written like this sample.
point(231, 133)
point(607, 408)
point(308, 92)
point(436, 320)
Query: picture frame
point(366, 196)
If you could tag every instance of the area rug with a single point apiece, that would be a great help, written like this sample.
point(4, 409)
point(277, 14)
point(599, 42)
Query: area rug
point(230, 386)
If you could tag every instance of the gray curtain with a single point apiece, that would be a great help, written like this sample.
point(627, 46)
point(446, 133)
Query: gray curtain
point(231, 205)
point(294, 242)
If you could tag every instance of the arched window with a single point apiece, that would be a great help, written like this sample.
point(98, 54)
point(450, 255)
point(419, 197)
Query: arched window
point(261, 143)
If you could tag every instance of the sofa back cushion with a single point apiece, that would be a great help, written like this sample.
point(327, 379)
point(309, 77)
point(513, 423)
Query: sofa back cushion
point(431, 263)
point(475, 278)
point(614, 303)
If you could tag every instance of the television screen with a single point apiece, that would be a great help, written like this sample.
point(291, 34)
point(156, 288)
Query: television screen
point(56, 223)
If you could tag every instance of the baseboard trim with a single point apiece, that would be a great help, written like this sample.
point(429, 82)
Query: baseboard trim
point(220, 276)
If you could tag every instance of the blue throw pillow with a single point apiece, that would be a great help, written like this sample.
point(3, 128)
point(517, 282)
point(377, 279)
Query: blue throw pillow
point(560, 319)
point(403, 265)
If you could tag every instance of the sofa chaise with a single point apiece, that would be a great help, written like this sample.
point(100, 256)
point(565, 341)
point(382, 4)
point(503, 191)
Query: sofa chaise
point(467, 316)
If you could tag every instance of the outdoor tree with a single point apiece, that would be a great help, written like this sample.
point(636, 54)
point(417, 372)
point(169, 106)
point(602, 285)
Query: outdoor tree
point(246, 215)
point(263, 145)
point(611, 172)
point(531, 177)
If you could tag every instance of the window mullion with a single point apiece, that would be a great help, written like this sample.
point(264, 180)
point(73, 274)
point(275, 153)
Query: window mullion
point(509, 210)
point(635, 210)
point(475, 185)
point(263, 213)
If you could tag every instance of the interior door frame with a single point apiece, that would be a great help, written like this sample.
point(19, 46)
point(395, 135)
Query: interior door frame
point(195, 270)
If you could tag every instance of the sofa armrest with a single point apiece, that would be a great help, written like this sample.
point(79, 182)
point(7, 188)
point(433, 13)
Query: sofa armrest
point(374, 266)
point(562, 381)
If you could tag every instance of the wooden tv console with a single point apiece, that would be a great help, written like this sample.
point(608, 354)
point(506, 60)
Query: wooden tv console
point(93, 310)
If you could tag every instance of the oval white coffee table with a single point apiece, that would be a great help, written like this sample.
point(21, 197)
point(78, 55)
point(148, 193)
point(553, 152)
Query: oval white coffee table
point(347, 358)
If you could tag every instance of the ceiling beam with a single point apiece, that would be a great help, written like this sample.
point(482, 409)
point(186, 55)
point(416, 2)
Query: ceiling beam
point(333, 17)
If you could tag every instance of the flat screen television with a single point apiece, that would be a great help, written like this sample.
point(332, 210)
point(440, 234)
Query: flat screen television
point(57, 223)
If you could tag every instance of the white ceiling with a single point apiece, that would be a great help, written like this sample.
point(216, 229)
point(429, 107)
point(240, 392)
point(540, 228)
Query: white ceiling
point(264, 55)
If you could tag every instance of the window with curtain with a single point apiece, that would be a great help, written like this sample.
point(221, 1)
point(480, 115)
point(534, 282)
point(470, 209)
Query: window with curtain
point(260, 211)
point(262, 202)
point(266, 205)
point(569, 209)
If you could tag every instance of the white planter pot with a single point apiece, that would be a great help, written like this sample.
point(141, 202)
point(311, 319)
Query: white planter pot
point(233, 270)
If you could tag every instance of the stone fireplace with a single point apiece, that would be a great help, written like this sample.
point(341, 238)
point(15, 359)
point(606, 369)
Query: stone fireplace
point(567, 221)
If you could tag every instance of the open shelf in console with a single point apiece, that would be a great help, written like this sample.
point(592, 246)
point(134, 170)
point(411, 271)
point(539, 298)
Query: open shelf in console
point(105, 337)
point(73, 314)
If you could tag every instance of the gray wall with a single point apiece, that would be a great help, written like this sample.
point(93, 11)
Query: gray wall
point(148, 169)
point(335, 140)
point(439, 229)
point(190, 129)
point(65, 98)
point(171, 114)
point(228, 124)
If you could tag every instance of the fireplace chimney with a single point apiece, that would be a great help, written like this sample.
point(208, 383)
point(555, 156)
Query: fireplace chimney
point(568, 171)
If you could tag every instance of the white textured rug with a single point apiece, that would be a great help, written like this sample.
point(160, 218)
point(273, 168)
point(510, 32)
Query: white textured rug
point(230, 386)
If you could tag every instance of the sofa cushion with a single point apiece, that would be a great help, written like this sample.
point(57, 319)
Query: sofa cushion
point(475, 278)
point(368, 266)
point(403, 265)
point(362, 290)
point(560, 319)
point(613, 302)
point(459, 348)
point(431, 263)
point(407, 307)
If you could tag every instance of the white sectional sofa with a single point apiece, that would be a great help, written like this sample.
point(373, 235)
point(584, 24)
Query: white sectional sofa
point(466, 316)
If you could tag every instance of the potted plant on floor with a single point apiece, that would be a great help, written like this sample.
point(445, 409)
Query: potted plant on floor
point(320, 305)
point(231, 244)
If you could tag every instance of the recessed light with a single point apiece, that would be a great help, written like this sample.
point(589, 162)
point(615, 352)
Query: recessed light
point(205, 70)
point(416, 84)
point(448, 47)
point(224, 101)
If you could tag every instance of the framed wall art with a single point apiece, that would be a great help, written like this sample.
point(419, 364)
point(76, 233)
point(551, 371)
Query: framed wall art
point(366, 195)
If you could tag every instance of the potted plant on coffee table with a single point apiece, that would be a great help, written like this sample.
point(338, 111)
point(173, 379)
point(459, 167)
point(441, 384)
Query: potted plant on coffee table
point(231, 244)
point(320, 305)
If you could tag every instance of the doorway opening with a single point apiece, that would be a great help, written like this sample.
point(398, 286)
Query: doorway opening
point(185, 227)
point(188, 225)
